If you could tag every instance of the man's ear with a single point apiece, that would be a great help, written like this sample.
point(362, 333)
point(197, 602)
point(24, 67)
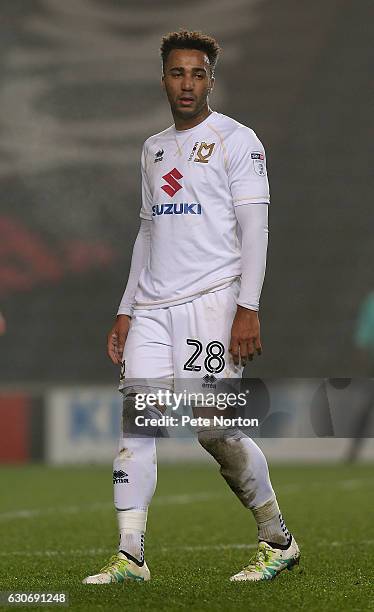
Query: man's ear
point(163, 82)
point(212, 81)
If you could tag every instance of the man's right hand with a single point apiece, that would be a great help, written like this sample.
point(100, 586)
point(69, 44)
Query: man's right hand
point(117, 338)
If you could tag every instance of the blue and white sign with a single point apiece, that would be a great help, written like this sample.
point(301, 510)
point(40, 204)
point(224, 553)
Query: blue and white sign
point(82, 424)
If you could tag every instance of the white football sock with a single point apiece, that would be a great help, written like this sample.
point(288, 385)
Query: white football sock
point(245, 469)
point(270, 524)
point(243, 464)
point(134, 480)
point(132, 526)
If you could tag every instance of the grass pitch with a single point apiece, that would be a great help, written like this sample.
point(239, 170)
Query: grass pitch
point(57, 525)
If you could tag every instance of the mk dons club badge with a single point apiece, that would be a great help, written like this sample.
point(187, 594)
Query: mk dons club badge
point(204, 152)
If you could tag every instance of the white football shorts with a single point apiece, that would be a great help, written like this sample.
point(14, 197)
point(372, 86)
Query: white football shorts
point(187, 341)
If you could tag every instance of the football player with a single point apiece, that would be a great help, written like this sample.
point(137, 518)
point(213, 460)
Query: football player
point(190, 307)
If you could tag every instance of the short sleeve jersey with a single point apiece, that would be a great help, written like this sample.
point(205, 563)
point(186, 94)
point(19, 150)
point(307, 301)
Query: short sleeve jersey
point(192, 180)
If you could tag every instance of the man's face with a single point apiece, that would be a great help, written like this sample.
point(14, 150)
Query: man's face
point(187, 82)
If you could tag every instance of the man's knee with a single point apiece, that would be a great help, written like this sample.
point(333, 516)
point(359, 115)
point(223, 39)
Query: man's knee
point(219, 441)
point(137, 416)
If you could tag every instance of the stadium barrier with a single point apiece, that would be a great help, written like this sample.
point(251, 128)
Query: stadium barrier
point(81, 424)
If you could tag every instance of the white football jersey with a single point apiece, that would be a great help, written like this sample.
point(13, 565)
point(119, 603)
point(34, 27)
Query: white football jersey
point(192, 180)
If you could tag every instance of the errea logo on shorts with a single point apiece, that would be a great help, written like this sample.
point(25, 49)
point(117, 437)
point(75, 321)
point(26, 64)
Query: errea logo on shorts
point(172, 179)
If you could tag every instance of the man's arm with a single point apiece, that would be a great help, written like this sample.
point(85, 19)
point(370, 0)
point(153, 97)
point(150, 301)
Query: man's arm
point(118, 334)
point(139, 259)
point(245, 332)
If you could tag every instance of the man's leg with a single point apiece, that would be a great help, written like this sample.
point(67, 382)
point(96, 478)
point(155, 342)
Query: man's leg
point(134, 480)
point(148, 363)
point(207, 320)
point(244, 467)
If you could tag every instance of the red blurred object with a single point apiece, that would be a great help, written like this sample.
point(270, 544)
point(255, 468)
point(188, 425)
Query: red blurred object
point(82, 256)
point(2, 325)
point(14, 416)
point(27, 259)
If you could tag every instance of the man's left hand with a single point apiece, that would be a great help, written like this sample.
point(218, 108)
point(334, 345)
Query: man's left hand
point(245, 336)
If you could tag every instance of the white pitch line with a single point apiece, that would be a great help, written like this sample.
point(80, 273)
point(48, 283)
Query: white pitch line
point(164, 549)
point(168, 549)
point(57, 553)
point(164, 500)
point(348, 484)
point(186, 498)
point(158, 501)
point(36, 512)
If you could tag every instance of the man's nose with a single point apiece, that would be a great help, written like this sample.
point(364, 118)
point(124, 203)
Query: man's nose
point(187, 83)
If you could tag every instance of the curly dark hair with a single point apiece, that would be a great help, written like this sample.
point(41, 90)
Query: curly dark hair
point(185, 39)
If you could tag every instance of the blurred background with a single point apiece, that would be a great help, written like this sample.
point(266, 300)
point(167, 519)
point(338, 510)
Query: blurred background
point(80, 92)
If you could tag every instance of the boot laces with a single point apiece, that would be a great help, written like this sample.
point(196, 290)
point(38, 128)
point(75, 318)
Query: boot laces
point(259, 560)
point(113, 564)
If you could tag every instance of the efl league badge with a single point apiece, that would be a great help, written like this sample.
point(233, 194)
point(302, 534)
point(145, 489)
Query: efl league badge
point(259, 163)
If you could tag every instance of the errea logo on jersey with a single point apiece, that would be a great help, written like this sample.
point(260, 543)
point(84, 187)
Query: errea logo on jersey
point(172, 178)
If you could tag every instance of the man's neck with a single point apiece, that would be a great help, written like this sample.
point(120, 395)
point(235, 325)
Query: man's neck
point(186, 124)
